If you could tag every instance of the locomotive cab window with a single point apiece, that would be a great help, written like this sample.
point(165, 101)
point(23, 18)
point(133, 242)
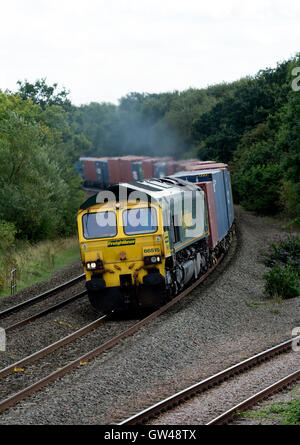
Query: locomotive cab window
point(99, 225)
point(140, 221)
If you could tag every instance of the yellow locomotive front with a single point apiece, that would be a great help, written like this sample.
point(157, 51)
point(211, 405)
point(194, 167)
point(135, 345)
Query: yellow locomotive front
point(122, 251)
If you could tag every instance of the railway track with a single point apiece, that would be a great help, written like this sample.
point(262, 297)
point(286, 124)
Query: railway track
point(37, 299)
point(12, 399)
point(233, 412)
point(47, 311)
point(217, 379)
point(40, 297)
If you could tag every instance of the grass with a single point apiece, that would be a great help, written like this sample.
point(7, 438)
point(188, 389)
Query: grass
point(282, 413)
point(35, 263)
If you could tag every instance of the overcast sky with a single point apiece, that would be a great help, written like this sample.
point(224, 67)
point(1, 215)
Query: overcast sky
point(101, 50)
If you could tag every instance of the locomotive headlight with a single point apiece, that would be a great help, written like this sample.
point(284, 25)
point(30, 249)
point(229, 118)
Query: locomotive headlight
point(148, 260)
point(94, 265)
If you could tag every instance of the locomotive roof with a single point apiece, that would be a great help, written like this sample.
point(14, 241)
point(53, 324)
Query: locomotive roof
point(155, 188)
point(196, 172)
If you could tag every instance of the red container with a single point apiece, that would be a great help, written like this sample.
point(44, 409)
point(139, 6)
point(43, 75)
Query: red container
point(114, 170)
point(170, 167)
point(208, 189)
point(147, 168)
point(150, 166)
point(89, 169)
point(181, 165)
point(126, 167)
point(177, 166)
point(203, 162)
point(125, 170)
point(212, 166)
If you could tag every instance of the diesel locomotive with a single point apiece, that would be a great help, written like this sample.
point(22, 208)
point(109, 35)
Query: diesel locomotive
point(142, 242)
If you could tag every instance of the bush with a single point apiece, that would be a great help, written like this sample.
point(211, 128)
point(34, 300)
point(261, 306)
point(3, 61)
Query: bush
point(290, 201)
point(7, 235)
point(282, 279)
point(285, 250)
point(258, 188)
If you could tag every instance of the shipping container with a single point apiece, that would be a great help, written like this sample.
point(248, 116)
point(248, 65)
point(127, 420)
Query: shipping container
point(193, 176)
point(126, 170)
point(102, 175)
point(220, 201)
point(159, 170)
point(89, 170)
point(79, 168)
point(114, 170)
point(170, 167)
point(206, 166)
point(147, 165)
point(208, 188)
point(223, 203)
point(137, 170)
point(229, 198)
point(205, 181)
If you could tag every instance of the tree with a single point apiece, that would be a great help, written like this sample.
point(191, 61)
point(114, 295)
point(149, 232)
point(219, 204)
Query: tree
point(42, 94)
point(37, 195)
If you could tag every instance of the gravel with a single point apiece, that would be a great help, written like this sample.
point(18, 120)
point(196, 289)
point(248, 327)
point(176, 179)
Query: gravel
point(223, 321)
point(216, 401)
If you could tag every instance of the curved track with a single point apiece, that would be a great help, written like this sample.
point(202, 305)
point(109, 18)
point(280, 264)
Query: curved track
point(11, 400)
point(32, 301)
point(217, 379)
point(40, 297)
point(230, 414)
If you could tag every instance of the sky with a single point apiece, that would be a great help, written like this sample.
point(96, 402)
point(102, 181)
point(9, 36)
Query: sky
point(101, 50)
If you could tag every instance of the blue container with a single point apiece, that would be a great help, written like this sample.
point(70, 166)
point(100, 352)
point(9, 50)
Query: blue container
point(193, 176)
point(159, 170)
point(220, 200)
point(222, 194)
point(102, 174)
point(137, 171)
point(229, 200)
point(79, 168)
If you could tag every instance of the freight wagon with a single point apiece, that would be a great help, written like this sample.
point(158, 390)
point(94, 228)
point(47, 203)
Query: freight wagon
point(217, 187)
point(105, 171)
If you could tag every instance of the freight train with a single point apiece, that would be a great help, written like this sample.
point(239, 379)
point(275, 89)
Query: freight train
point(144, 241)
point(102, 172)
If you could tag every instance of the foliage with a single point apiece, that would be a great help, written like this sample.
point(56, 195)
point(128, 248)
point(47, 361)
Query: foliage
point(253, 123)
point(283, 278)
point(290, 200)
point(284, 250)
point(35, 262)
point(39, 192)
point(288, 412)
point(44, 95)
point(156, 124)
point(282, 281)
point(7, 235)
point(258, 188)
